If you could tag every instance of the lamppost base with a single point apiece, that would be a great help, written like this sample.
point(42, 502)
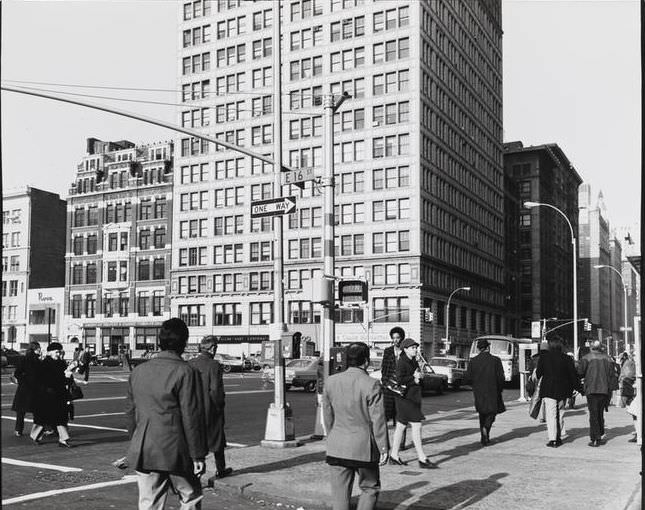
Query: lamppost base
point(280, 430)
point(270, 443)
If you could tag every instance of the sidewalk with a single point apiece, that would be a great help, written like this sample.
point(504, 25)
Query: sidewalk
point(516, 472)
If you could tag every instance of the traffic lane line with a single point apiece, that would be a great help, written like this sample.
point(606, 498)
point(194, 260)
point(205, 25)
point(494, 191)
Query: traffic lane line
point(63, 469)
point(38, 495)
point(78, 425)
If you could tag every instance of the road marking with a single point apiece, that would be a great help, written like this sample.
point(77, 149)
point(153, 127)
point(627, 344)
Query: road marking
point(97, 415)
point(236, 445)
point(78, 425)
point(55, 492)
point(16, 462)
point(248, 391)
point(98, 399)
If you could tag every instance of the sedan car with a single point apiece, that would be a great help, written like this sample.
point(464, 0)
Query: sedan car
point(302, 373)
point(229, 363)
point(10, 357)
point(453, 368)
point(433, 382)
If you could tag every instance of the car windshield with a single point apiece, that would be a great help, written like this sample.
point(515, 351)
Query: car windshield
point(375, 364)
point(429, 370)
point(500, 347)
point(299, 363)
point(443, 362)
point(227, 356)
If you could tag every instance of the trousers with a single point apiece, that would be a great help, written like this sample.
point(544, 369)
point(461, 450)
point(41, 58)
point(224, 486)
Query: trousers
point(596, 405)
point(342, 481)
point(554, 415)
point(154, 486)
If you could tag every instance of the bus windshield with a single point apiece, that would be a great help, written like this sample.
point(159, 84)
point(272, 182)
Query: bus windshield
point(501, 347)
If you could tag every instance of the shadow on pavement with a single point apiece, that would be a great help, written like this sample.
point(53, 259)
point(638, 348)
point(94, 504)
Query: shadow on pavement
point(457, 495)
point(283, 464)
point(452, 434)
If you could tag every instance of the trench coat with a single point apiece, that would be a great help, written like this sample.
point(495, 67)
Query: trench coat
point(51, 397)
point(214, 399)
point(353, 414)
point(487, 376)
point(388, 370)
point(165, 416)
point(26, 373)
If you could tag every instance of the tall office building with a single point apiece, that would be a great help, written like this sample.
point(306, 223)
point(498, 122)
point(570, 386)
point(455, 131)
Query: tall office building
point(418, 165)
point(117, 265)
point(594, 288)
point(539, 240)
point(33, 257)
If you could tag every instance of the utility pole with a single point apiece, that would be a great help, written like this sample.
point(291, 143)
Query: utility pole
point(279, 431)
point(327, 324)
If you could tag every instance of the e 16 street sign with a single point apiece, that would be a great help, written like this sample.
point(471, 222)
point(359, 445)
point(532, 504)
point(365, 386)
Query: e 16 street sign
point(273, 207)
point(300, 175)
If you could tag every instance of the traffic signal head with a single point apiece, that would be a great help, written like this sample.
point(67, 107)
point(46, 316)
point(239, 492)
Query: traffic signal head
point(587, 325)
point(352, 291)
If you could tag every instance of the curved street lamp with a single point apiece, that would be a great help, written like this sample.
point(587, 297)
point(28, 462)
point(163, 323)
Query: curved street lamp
point(467, 289)
point(600, 266)
point(530, 205)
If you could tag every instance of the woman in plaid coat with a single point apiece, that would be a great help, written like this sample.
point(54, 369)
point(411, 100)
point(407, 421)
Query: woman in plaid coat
point(388, 371)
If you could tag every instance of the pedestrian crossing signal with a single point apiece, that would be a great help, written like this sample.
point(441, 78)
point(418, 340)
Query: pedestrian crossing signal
point(352, 292)
point(587, 326)
point(428, 316)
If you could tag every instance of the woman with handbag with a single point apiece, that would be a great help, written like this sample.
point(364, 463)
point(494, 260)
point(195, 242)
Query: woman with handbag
point(408, 406)
point(52, 397)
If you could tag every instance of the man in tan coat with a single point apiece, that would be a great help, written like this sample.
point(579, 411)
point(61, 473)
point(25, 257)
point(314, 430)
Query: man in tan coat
point(214, 399)
point(354, 418)
point(165, 416)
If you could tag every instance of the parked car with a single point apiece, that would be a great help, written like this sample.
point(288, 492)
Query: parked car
point(107, 361)
point(453, 368)
point(433, 382)
point(9, 357)
point(143, 358)
point(302, 373)
point(229, 363)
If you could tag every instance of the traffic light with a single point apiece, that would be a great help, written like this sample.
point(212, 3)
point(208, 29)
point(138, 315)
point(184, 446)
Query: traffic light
point(428, 316)
point(352, 292)
point(587, 326)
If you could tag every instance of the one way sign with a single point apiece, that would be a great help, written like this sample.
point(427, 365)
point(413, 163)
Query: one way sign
point(273, 207)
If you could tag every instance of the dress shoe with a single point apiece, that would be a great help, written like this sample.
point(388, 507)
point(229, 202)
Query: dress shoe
point(632, 440)
point(594, 443)
point(426, 464)
point(64, 444)
point(601, 441)
point(397, 462)
point(222, 474)
point(552, 444)
point(558, 442)
point(38, 440)
point(17, 433)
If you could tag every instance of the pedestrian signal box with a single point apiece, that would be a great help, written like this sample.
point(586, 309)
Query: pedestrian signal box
point(352, 292)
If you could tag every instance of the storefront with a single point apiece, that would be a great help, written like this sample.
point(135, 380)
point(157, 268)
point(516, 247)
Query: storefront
point(44, 314)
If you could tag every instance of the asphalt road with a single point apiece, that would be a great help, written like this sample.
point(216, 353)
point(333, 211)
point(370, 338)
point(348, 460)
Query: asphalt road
point(99, 432)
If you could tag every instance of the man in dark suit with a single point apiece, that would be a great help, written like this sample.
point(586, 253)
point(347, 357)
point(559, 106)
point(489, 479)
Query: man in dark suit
point(487, 376)
point(213, 387)
point(165, 416)
point(356, 430)
point(559, 379)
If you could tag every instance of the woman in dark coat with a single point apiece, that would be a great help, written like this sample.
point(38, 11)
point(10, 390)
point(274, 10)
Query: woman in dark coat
point(408, 407)
point(26, 375)
point(50, 404)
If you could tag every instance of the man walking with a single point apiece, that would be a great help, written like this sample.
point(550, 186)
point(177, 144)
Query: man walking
point(165, 416)
point(559, 379)
point(487, 380)
point(84, 363)
point(597, 370)
point(213, 390)
point(354, 418)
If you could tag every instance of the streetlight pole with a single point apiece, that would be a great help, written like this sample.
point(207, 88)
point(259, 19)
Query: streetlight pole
point(530, 205)
point(622, 280)
point(467, 289)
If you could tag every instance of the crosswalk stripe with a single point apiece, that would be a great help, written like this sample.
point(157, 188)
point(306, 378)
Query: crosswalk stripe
point(16, 462)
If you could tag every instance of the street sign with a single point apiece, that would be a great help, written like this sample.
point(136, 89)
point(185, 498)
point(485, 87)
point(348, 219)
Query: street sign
point(623, 329)
point(273, 207)
point(299, 175)
point(536, 329)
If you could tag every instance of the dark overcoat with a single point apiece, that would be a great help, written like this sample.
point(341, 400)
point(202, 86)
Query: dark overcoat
point(487, 376)
point(558, 373)
point(165, 416)
point(50, 405)
point(26, 373)
point(388, 370)
point(214, 399)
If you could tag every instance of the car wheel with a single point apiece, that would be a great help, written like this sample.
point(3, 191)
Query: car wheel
point(456, 385)
point(226, 368)
point(310, 386)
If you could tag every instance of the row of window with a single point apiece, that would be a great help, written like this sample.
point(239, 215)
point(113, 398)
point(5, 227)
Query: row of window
point(11, 263)
point(118, 271)
point(146, 303)
point(15, 240)
point(120, 212)
point(10, 288)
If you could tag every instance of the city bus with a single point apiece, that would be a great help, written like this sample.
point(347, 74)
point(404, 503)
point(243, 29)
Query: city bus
point(505, 348)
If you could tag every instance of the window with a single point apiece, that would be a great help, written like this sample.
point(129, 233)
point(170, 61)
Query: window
point(91, 244)
point(77, 274)
point(160, 237)
point(261, 313)
point(158, 269)
point(90, 306)
point(227, 314)
point(144, 239)
point(77, 306)
point(144, 269)
point(90, 273)
point(391, 309)
point(143, 303)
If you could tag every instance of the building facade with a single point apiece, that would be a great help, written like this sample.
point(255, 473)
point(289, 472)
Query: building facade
point(594, 285)
point(33, 256)
point(418, 166)
point(117, 262)
point(540, 238)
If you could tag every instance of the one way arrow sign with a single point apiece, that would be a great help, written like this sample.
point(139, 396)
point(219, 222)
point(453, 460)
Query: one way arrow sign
point(273, 207)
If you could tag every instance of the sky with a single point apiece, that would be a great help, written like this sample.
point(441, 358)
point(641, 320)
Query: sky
point(571, 77)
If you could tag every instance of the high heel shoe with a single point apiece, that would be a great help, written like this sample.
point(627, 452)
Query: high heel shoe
point(397, 462)
point(64, 444)
point(426, 464)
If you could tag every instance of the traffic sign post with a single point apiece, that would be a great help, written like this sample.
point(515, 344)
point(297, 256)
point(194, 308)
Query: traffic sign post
point(273, 207)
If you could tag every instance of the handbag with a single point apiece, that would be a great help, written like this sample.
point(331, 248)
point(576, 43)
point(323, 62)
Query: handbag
point(536, 401)
point(75, 391)
point(395, 387)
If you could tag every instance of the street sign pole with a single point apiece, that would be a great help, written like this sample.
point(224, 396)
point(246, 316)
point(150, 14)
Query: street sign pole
point(279, 431)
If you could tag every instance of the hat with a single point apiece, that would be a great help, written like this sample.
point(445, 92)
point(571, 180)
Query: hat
point(482, 344)
point(408, 342)
point(54, 346)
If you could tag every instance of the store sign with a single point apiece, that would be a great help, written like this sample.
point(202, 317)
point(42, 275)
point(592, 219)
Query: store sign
point(42, 298)
point(241, 339)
